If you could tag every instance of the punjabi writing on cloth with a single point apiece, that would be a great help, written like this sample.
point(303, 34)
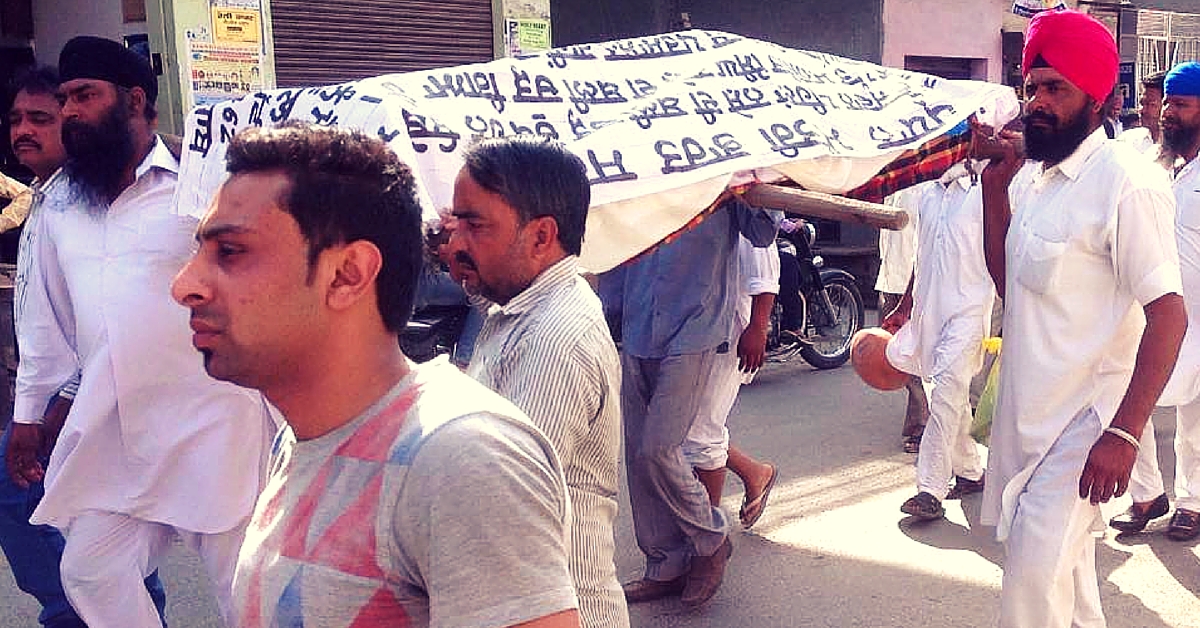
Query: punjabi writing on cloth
point(663, 123)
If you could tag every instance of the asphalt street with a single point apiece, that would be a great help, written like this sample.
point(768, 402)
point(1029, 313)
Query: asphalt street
point(832, 548)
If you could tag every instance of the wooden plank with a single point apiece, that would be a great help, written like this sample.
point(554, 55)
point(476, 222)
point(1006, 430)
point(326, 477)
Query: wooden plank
point(829, 206)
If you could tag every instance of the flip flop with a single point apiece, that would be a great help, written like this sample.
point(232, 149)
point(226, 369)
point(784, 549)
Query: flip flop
point(753, 509)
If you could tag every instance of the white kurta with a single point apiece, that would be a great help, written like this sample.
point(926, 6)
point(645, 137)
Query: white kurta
point(1139, 138)
point(1090, 242)
point(952, 290)
point(150, 435)
point(898, 248)
point(1184, 385)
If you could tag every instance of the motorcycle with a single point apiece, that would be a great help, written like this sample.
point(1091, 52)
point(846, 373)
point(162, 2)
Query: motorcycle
point(830, 305)
point(432, 331)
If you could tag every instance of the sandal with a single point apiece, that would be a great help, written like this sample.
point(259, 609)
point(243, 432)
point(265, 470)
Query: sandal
point(912, 444)
point(753, 509)
point(923, 506)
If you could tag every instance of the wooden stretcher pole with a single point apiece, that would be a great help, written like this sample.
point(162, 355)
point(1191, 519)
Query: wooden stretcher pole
point(821, 205)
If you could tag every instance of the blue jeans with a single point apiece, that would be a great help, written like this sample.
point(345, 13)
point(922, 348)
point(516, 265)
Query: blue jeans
point(34, 551)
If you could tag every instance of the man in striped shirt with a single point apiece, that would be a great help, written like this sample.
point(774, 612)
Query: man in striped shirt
point(545, 345)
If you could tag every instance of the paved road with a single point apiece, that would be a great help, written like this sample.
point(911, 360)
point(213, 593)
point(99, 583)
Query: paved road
point(832, 548)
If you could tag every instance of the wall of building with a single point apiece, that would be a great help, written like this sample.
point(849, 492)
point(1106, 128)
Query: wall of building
point(57, 21)
point(935, 28)
point(848, 28)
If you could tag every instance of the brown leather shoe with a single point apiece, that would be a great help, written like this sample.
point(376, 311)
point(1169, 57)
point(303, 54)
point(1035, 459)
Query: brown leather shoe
point(646, 590)
point(706, 575)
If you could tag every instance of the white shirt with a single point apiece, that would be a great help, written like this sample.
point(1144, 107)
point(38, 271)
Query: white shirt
point(1091, 241)
point(758, 268)
point(1184, 385)
point(150, 435)
point(952, 290)
point(1139, 138)
point(898, 249)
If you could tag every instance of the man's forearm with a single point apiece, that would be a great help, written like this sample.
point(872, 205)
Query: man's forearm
point(1166, 322)
point(760, 310)
point(996, 214)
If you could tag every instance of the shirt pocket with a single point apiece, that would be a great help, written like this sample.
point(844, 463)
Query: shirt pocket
point(1040, 267)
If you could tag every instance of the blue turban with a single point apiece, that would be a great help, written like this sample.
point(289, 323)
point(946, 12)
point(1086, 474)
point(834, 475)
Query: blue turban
point(1183, 80)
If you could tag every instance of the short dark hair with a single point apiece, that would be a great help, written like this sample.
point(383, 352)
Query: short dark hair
point(1154, 81)
point(345, 186)
point(537, 177)
point(33, 80)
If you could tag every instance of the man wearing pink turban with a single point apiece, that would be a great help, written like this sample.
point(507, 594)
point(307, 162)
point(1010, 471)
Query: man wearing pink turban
point(1085, 258)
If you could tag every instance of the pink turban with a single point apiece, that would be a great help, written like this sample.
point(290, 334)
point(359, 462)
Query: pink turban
point(1078, 46)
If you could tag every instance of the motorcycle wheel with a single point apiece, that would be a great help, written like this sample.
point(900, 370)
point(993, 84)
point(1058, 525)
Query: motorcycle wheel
point(831, 346)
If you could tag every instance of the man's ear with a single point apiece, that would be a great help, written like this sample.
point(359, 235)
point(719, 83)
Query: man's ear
point(137, 102)
point(356, 266)
point(545, 232)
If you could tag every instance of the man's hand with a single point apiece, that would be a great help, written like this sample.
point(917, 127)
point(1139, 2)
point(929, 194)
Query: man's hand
point(1106, 473)
point(1005, 150)
point(52, 423)
point(24, 445)
point(897, 319)
point(752, 348)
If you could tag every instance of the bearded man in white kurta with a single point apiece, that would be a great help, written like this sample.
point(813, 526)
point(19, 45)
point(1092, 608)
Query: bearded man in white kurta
point(940, 324)
point(152, 446)
point(1093, 319)
point(1181, 137)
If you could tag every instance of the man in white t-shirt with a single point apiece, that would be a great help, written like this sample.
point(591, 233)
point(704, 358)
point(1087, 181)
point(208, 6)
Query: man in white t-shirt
point(400, 494)
point(1093, 318)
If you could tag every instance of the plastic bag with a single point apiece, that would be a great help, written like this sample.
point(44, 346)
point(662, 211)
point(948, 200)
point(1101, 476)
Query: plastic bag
point(981, 424)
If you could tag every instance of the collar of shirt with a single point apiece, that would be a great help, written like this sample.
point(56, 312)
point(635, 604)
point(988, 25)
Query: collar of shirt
point(40, 185)
point(1073, 165)
point(159, 157)
point(550, 280)
point(1187, 169)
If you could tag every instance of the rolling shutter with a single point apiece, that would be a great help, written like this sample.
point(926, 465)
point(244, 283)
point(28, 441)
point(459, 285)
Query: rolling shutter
point(333, 41)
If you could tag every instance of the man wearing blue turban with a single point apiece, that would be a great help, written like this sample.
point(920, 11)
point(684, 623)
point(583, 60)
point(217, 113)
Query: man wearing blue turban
point(1181, 141)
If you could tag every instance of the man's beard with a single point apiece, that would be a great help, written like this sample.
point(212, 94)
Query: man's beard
point(97, 156)
point(1181, 139)
point(1058, 143)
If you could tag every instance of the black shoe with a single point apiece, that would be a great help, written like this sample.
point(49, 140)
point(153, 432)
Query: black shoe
point(963, 487)
point(1185, 525)
point(924, 506)
point(1133, 520)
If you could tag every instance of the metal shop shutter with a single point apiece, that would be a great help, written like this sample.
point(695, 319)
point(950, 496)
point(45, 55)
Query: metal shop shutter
point(333, 41)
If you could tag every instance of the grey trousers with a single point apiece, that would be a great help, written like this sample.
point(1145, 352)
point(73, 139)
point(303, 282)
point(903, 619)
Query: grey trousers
point(672, 517)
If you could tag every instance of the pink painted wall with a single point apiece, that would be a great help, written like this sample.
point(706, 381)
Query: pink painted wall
point(945, 28)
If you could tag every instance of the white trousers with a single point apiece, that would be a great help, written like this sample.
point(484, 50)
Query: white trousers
point(1146, 483)
point(1050, 554)
point(707, 444)
point(947, 448)
point(1187, 456)
point(108, 555)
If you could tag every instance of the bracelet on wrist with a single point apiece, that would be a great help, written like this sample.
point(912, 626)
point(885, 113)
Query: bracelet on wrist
point(1123, 435)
